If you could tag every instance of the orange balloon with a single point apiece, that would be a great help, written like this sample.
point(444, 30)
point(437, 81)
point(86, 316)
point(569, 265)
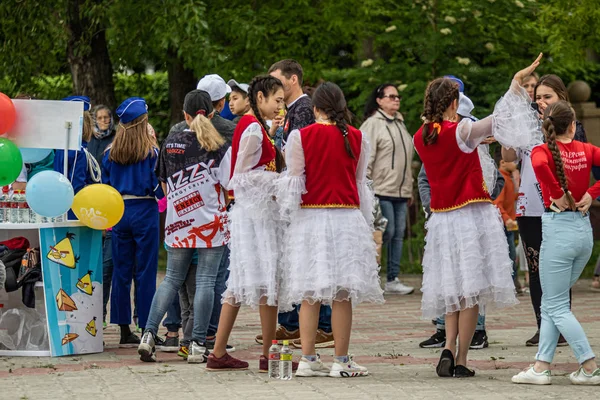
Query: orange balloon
point(8, 114)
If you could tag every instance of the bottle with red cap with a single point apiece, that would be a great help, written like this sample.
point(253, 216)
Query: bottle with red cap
point(23, 208)
point(5, 205)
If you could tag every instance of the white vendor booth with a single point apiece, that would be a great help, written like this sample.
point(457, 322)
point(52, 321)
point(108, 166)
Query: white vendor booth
point(67, 318)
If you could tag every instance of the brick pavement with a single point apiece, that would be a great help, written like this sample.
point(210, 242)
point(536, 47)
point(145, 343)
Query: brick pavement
point(385, 338)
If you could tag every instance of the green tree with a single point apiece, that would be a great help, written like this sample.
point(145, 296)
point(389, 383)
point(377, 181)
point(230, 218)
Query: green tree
point(572, 29)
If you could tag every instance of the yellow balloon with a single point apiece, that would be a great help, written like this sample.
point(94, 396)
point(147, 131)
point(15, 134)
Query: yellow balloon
point(98, 206)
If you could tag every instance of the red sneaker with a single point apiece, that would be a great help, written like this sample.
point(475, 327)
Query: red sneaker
point(263, 365)
point(225, 363)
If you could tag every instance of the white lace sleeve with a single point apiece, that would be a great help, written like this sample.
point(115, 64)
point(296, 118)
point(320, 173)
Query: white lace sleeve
point(291, 184)
point(250, 149)
point(365, 193)
point(470, 133)
point(224, 170)
point(516, 124)
point(488, 167)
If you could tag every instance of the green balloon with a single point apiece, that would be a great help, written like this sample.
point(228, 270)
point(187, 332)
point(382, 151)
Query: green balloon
point(11, 162)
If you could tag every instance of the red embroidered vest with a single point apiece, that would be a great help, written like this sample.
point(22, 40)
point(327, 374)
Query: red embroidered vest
point(330, 171)
point(455, 177)
point(267, 157)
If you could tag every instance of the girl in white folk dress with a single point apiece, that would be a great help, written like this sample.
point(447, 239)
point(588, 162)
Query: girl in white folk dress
point(255, 226)
point(329, 253)
point(466, 266)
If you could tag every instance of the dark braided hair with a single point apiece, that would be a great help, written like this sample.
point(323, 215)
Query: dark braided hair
point(267, 85)
point(440, 94)
point(329, 99)
point(557, 119)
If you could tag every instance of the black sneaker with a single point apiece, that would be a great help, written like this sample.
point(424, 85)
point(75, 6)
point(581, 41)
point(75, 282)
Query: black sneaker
point(210, 345)
point(132, 340)
point(169, 345)
point(534, 341)
point(436, 341)
point(147, 347)
point(479, 341)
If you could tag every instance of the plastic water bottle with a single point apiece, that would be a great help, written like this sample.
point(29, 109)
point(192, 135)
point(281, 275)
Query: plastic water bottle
point(14, 200)
point(23, 209)
point(4, 205)
point(285, 363)
point(34, 217)
point(274, 355)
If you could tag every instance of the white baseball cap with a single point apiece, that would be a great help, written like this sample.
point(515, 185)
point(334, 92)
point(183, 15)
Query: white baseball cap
point(242, 86)
point(465, 106)
point(215, 86)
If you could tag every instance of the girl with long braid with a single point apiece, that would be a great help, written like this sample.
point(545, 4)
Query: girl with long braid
point(466, 265)
point(255, 225)
point(530, 208)
point(329, 254)
point(562, 167)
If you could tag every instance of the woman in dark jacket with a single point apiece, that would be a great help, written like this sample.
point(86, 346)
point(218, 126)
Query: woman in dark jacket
point(103, 133)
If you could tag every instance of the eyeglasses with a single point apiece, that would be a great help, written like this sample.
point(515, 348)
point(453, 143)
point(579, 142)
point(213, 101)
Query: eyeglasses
point(393, 97)
point(102, 118)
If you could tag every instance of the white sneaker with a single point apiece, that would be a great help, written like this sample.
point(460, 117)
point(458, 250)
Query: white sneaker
point(347, 370)
point(198, 353)
point(146, 348)
point(311, 368)
point(580, 377)
point(398, 287)
point(531, 377)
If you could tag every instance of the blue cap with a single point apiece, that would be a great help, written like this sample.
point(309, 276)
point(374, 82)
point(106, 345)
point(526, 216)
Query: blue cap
point(132, 108)
point(86, 101)
point(461, 85)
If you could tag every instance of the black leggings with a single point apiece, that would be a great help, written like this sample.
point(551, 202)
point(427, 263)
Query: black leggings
point(530, 230)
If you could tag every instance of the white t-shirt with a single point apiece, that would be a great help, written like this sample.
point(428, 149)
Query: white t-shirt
point(530, 202)
point(196, 209)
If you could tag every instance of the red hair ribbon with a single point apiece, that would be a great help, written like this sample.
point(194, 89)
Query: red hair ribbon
point(201, 112)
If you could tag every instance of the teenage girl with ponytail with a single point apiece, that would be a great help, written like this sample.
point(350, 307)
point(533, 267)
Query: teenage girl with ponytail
point(329, 253)
point(466, 265)
point(192, 168)
point(255, 226)
point(562, 167)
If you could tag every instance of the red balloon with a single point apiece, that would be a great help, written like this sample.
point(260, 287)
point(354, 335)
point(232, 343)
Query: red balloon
point(8, 114)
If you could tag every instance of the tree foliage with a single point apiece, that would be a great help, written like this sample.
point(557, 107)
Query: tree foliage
point(358, 44)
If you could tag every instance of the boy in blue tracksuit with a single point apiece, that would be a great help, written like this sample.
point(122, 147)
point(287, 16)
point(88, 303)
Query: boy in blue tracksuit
point(128, 166)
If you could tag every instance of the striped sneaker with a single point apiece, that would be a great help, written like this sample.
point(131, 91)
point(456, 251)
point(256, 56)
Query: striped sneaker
point(580, 377)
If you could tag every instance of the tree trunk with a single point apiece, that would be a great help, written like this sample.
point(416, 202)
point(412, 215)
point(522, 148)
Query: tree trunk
point(87, 52)
point(181, 81)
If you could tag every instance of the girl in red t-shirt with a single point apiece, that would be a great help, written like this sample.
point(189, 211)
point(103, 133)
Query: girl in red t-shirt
point(562, 167)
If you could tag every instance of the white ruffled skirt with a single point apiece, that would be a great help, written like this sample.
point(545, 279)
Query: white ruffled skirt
point(256, 231)
point(466, 262)
point(329, 255)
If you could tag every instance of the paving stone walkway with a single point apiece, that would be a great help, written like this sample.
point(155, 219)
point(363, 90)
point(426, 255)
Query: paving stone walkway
point(385, 339)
